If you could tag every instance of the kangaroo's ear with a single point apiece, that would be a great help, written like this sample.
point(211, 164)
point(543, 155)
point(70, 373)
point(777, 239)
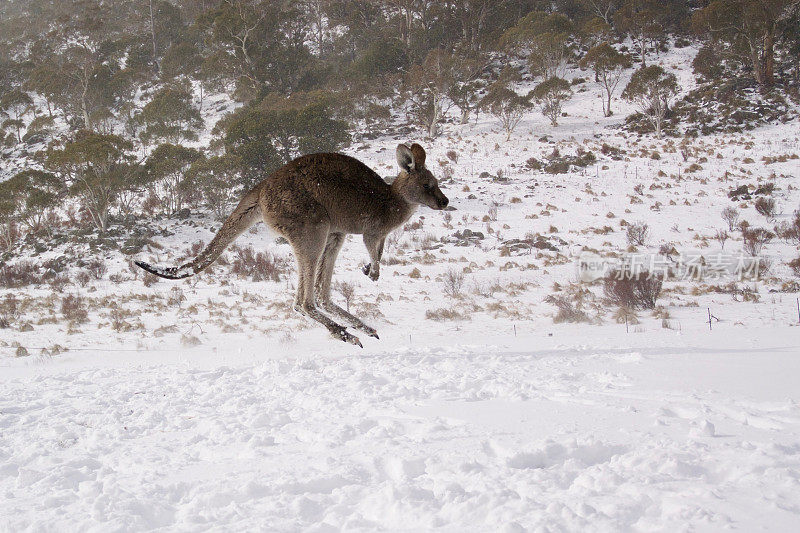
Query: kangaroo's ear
point(405, 158)
point(419, 155)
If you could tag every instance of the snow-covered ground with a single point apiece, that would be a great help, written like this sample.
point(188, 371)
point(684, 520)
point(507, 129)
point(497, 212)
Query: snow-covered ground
point(582, 430)
point(207, 404)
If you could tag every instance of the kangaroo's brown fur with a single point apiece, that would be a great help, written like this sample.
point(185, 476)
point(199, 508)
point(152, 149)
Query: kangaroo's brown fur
point(313, 202)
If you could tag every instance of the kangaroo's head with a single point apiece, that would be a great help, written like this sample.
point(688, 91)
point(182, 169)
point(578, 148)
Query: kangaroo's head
point(415, 182)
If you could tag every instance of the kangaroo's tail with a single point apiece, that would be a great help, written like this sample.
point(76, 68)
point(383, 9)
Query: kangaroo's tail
point(245, 215)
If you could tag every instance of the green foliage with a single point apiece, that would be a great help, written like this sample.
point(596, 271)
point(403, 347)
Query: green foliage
point(505, 105)
point(551, 95)
point(96, 168)
point(170, 115)
point(217, 179)
point(380, 58)
point(546, 38)
point(750, 29)
point(651, 89)
point(275, 131)
point(608, 64)
point(165, 174)
point(181, 58)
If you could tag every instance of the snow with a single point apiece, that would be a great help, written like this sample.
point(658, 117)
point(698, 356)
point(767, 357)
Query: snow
point(226, 411)
point(602, 431)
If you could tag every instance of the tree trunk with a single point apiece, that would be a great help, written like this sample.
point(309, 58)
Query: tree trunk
point(769, 57)
point(153, 36)
point(755, 60)
point(84, 107)
point(643, 48)
point(465, 116)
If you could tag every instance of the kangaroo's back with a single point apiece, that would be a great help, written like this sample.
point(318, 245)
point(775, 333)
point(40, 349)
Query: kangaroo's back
point(334, 186)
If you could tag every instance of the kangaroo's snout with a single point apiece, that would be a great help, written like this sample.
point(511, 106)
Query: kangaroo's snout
point(442, 202)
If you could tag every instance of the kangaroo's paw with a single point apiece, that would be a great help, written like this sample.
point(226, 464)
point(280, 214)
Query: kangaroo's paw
point(373, 273)
point(354, 321)
point(343, 335)
point(369, 331)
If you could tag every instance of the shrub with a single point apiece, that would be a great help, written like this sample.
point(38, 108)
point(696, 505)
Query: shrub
point(568, 311)
point(731, 216)
point(453, 283)
point(638, 233)
point(791, 231)
point(754, 239)
point(9, 310)
point(19, 275)
point(259, 266)
point(445, 313)
point(74, 309)
point(721, 236)
point(765, 206)
point(83, 278)
point(347, 290)
point(632, 290)
point(96, 268)
point(794, 264)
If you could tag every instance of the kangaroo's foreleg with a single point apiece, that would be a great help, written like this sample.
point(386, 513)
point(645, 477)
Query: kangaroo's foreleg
point(374, 244)
point(308, 249)
point(323, 285)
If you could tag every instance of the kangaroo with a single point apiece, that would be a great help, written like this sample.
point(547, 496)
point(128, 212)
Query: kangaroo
point(314, 201)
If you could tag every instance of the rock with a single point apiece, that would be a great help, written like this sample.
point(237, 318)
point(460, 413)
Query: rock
point(26, 327)
point(21, 352)
point(737, 192)
point(466, 237)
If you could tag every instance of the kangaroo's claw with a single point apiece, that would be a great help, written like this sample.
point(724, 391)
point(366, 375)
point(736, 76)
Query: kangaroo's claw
point(370, 331)
point(343, 335)
point(366, 269)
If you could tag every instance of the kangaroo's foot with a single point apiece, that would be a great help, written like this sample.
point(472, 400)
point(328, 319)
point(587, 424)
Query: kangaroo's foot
point(343, 335)
point(372, 273)
point(337, 330)
point(353, 320)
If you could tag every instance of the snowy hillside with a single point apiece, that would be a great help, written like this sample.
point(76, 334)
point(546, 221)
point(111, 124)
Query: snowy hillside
point(208, 404)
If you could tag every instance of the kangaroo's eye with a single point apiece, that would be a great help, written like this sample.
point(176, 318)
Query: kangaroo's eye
point(426, 186)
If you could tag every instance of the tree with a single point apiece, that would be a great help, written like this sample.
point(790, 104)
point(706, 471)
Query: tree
point(9, 232)
point(594, 32)
point(750, 28)
point(427, 86)
point(170, 115)
point(602, 8)
point(506, 105)
point(34, 193)
point(466, 84)
point(608, 65)
point(640, 19)
point(216, 178)
point(551, 95)
point(546, 38)
point(268, 134)
point(48, 81)
point(165, 172)
point(96, 168)
point(651, 89)
point(16, 104)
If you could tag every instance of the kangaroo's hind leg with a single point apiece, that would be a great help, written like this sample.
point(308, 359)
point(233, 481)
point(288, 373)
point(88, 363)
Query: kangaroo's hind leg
point(323, 284)
point(309, 244)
